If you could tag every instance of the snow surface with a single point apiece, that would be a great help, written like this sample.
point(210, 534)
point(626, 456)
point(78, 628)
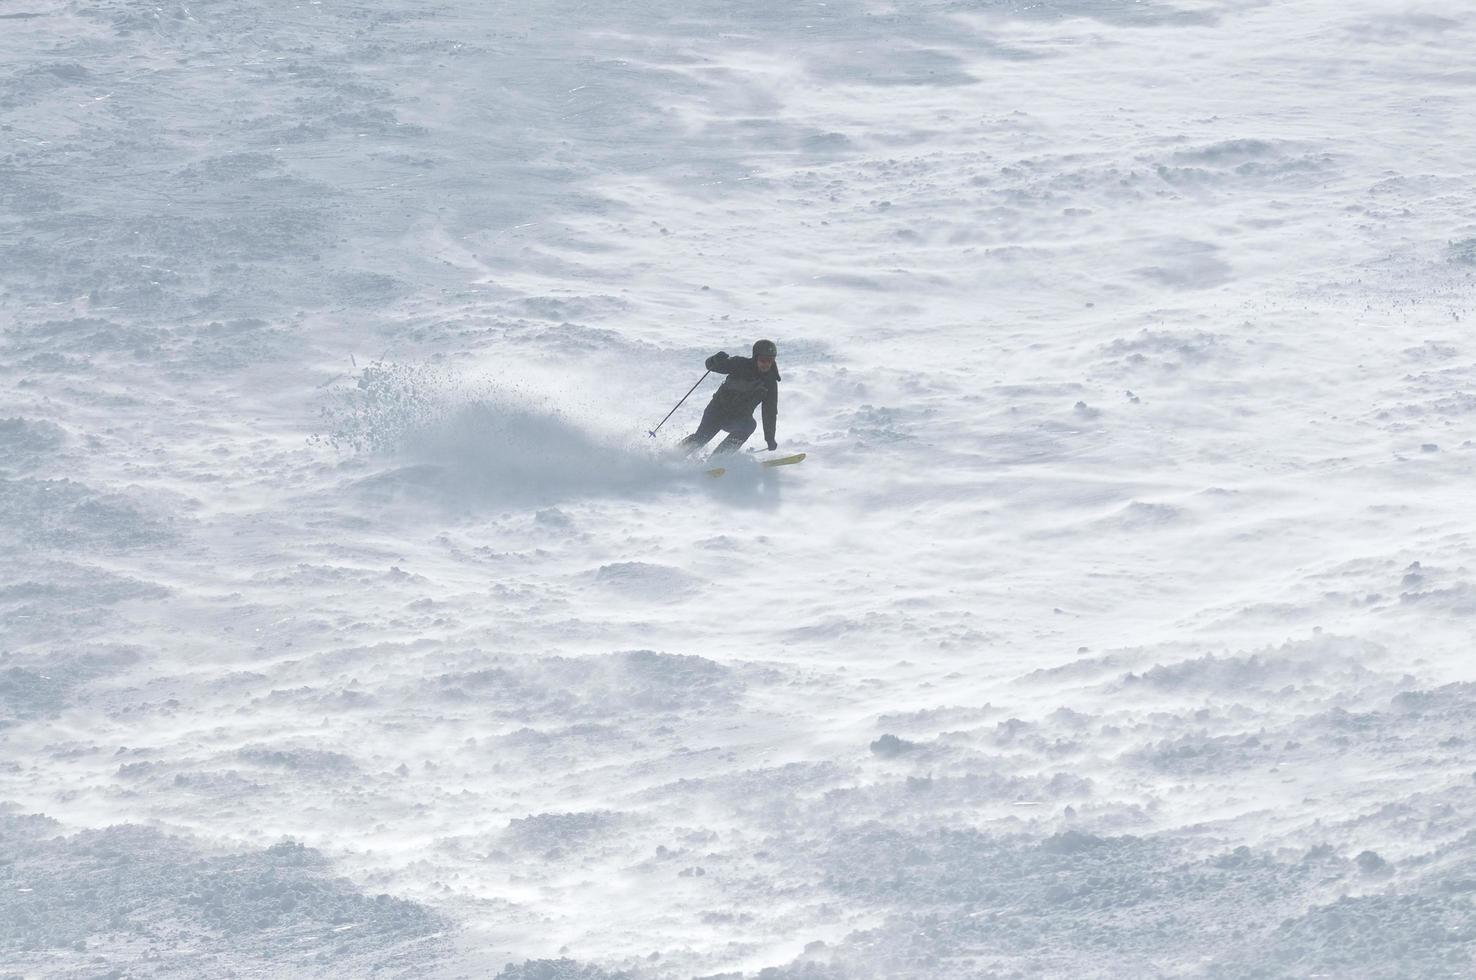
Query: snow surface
point(1118, 625)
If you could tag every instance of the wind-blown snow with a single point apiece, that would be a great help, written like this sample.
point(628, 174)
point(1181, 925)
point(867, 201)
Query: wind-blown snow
point(1117, 625)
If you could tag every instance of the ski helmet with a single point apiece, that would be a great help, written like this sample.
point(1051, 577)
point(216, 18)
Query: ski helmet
point(765, 348)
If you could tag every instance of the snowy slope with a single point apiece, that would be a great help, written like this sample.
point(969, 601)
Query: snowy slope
point(1118, 625)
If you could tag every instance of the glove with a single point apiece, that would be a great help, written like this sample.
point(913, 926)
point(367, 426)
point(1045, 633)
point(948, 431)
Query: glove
point(721, 355)
point(773, 445)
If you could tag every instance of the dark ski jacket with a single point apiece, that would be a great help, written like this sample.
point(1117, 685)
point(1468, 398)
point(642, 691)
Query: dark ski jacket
point(746, 387)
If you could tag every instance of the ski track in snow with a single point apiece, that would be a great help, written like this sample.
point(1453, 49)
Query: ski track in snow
point(1117, 625)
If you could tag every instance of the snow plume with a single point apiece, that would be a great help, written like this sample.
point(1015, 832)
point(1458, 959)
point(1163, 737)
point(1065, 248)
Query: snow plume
point(466, 444)
point(389, 406)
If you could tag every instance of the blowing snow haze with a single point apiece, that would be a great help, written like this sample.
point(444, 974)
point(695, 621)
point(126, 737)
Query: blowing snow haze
point(1119, 623)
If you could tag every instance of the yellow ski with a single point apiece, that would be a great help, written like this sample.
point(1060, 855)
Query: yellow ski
point(780, 461)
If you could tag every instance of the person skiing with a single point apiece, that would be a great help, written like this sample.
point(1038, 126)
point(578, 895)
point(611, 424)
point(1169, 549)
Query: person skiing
point(750, 382)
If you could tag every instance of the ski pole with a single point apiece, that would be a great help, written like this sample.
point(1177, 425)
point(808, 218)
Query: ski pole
point(652, 432)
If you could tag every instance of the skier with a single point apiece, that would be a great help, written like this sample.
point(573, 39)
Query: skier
point(750, 382)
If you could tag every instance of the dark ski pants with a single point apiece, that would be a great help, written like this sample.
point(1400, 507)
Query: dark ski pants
point(714, 417)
